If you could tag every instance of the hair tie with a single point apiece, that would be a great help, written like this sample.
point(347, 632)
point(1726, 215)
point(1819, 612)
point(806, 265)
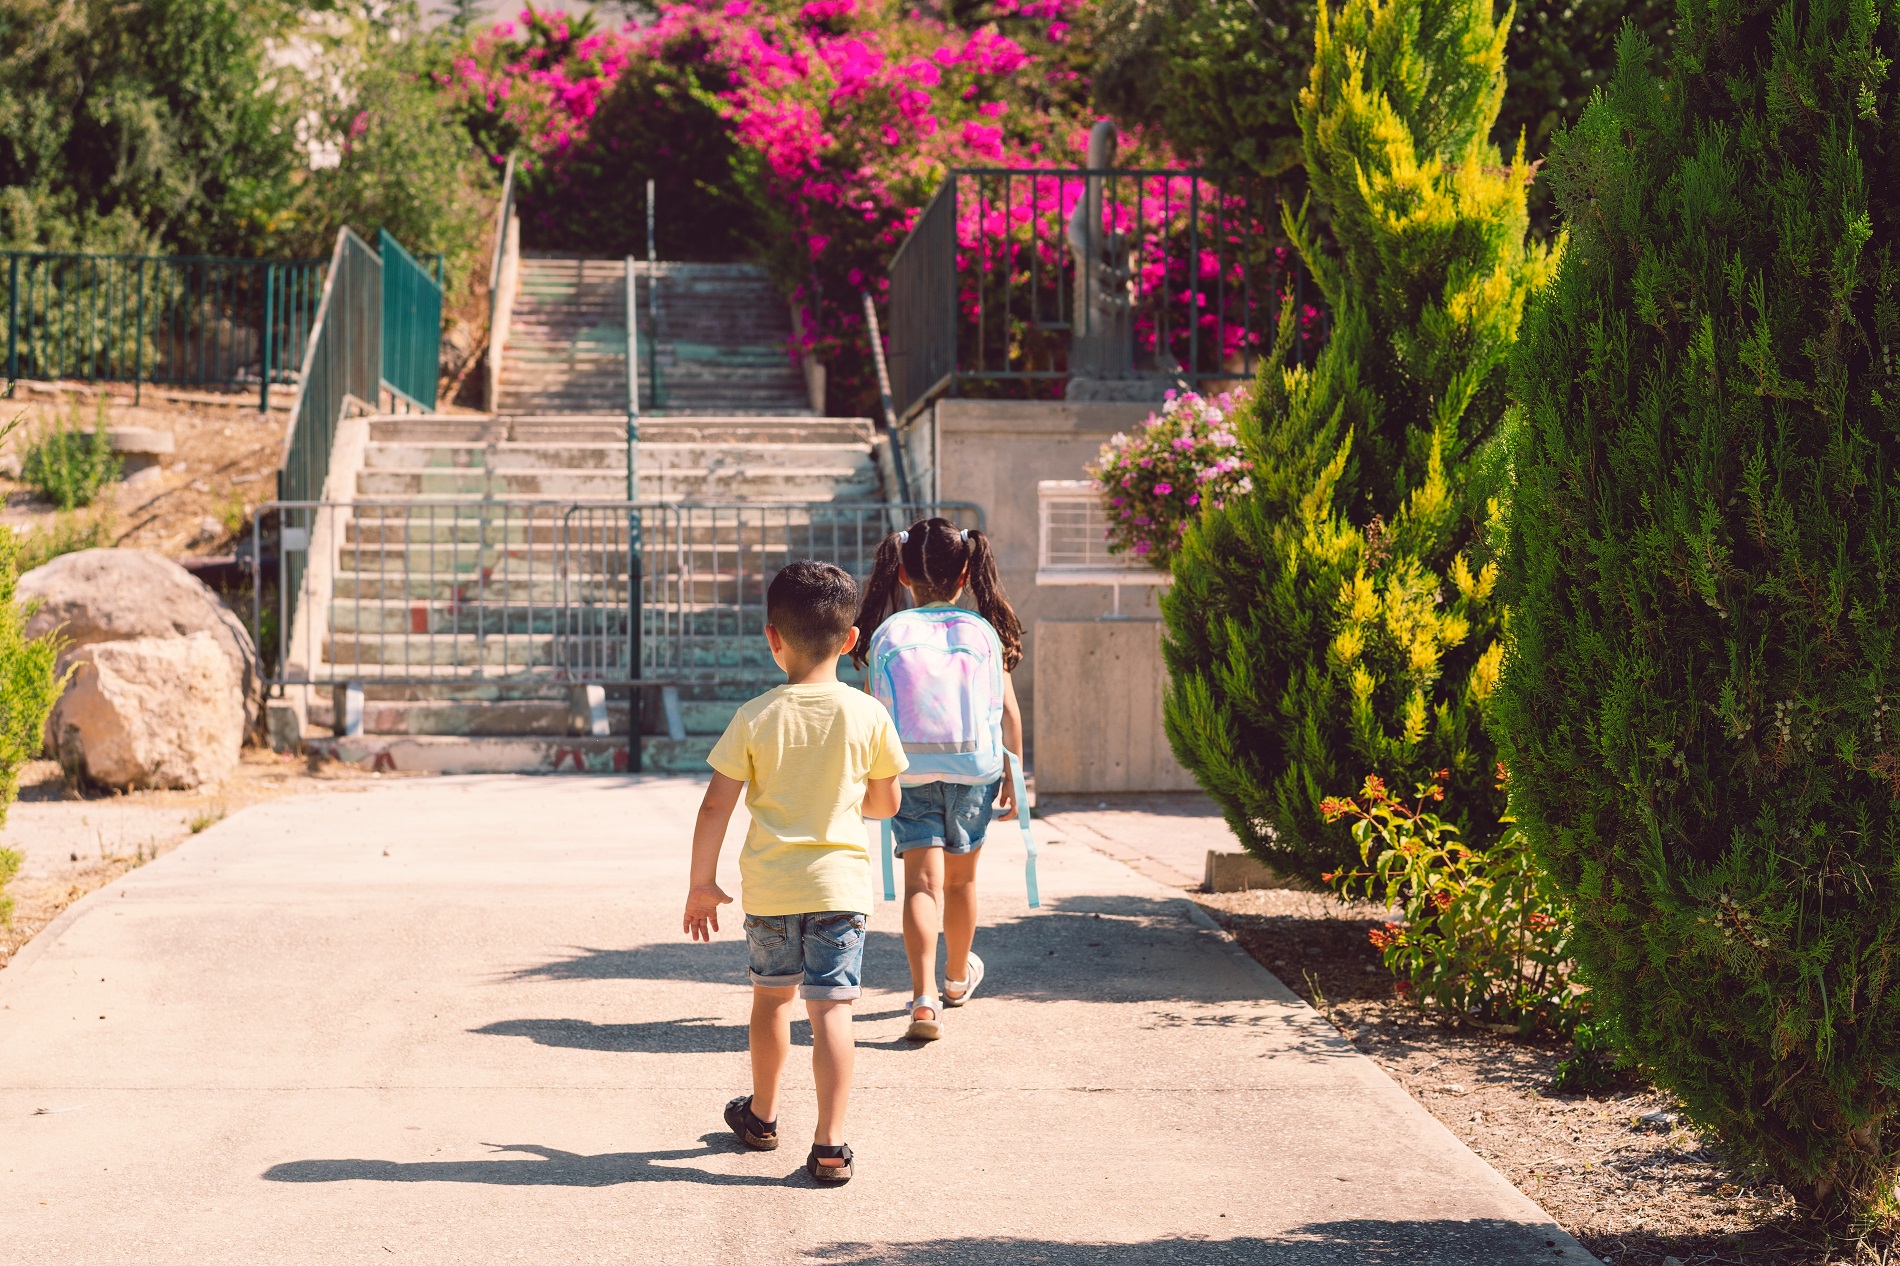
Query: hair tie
point(964, 535)
point(903, 538)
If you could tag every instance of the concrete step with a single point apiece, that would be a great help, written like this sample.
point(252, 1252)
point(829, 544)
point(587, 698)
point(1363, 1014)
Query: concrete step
point(655, 455)
point(609, 427)
point(765, 483)
point(519, 755)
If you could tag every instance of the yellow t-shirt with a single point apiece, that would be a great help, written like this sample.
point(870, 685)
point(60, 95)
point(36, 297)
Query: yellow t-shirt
point(805, 753)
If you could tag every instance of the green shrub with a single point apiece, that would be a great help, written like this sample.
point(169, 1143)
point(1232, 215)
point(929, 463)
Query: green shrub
point(1336, 621)
point(66, 534)
point(1484, 936)
point(30, 680)
point(1701, 568)
point(68, 466)
point(9, 867)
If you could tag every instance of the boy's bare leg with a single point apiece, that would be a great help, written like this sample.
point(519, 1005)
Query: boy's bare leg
point(834, 1054)
point(923, 917)
point(771, 1044)
point(959, 913)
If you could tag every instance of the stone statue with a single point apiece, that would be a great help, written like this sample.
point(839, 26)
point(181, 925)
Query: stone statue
point(1102, 338)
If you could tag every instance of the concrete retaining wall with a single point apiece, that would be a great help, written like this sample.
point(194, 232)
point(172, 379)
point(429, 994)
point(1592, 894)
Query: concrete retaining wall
point(994, 452)
point(1098, 709)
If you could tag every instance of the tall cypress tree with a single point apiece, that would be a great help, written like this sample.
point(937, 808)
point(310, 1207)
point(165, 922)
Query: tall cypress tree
point(1703, 566)
point(1336, 622)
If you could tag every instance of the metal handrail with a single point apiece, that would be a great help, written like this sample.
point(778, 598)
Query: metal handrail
point(888, 406)
point(986, 290)
point(498, 302)
point(503, 213)
point(179, 319)
point(633, 384)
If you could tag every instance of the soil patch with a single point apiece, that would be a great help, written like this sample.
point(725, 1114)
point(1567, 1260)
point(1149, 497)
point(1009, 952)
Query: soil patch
point(1619, 1169)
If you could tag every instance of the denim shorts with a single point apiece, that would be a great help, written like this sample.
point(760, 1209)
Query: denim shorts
point(822, 953)
point(951, 816)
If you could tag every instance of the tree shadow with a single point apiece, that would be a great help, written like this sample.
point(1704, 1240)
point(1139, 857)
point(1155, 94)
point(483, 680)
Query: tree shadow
point(1359, 1241)
point(553, 1168)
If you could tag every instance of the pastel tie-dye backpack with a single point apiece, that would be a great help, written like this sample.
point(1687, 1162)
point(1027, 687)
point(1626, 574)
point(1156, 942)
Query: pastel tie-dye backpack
point(939, 669)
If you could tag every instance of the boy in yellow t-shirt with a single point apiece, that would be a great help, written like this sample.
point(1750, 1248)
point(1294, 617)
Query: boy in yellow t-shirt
point(815, 758)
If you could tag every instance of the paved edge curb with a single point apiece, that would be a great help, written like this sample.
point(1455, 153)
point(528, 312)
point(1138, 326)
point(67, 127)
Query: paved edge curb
point(1513, 1199)
point(43, 940)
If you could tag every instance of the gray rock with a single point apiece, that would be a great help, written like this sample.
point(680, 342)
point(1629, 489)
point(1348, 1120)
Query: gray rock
point(150, 712)
point(115, 595)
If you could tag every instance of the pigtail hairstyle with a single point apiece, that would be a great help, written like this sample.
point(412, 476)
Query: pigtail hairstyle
point(991, 603)
point(880, 592)
point(935, 554)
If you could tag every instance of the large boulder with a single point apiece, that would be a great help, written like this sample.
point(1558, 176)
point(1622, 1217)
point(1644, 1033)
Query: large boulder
point(115, 595)
point(150, 712)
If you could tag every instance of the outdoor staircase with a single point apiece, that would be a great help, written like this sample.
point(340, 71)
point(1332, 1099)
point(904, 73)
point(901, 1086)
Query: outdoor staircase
point(721, 340)
point(450, 574)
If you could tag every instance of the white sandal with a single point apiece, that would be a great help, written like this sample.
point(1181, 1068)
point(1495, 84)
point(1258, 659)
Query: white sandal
point(925, 1030)
point(965, 987)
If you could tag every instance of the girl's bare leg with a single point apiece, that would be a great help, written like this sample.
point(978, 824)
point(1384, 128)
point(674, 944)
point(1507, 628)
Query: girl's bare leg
point(959, 912)
point(923, 917)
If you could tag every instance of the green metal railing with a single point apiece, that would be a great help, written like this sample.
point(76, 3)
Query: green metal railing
point(171, 320)
point(412, 323)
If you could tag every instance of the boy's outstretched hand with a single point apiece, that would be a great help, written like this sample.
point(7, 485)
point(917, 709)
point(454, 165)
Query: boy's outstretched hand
point(702, 910)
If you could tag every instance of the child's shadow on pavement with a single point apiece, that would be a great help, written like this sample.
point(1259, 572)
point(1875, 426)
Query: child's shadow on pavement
point(555, 1168)
point(693, 1035)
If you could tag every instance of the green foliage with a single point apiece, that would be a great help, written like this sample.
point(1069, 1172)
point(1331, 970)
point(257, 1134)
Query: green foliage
point(1338, 621)
point(68, 466)
point(404, 160)
point(30, 680)
point(1484, 938)
point(67, 534)
point(1561, 52)
point(1221, 79)
point(9, 867)
point(123, 126)
point(660, 120)
point(1700, 562)
point(1598, 1058)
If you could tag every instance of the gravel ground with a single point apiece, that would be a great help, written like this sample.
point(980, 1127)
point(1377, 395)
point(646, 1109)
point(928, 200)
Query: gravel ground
point(200, 498)
point(1618, 1168)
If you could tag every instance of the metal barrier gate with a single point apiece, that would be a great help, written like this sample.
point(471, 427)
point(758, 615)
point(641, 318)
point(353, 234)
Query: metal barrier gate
point(419, 593)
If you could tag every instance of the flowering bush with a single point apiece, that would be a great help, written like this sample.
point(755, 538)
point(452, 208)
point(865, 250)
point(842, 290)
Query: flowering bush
point(835, 120)
point(1485, 936)
point(1182, 460)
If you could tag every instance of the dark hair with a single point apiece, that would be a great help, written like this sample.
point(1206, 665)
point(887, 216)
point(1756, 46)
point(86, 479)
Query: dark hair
point(936, 555)
point(810, 604)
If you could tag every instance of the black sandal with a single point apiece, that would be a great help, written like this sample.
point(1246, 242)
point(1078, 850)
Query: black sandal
point(831, 1175)
point(760, 1136)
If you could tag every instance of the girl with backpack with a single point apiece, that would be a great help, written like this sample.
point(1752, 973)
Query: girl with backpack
point(943, 671)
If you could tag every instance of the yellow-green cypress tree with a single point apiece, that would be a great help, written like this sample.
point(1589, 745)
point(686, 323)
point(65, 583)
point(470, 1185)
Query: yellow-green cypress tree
point(1337, 622)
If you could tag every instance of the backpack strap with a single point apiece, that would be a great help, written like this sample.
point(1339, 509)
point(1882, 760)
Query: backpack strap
point(890, 879)
point(1029, 837)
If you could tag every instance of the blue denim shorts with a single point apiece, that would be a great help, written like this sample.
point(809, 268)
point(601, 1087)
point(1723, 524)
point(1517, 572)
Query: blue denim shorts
point(951, 816)
point(822, 953)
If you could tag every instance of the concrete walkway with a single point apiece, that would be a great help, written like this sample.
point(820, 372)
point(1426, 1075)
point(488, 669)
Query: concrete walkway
point(454, 1021)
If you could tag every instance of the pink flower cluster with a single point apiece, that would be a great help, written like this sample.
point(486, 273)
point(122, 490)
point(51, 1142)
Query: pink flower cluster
point(1183, 460)
point(855, 108)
